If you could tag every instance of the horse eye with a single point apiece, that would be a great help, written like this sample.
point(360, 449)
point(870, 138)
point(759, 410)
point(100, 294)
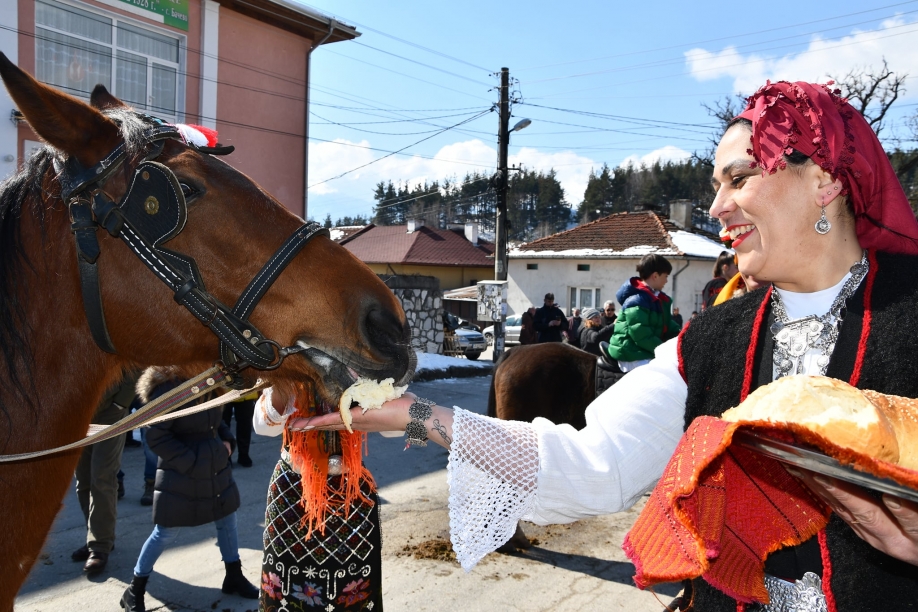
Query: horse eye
point(188, 191)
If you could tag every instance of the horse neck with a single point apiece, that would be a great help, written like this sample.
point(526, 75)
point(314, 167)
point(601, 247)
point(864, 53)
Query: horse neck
point(68, 373)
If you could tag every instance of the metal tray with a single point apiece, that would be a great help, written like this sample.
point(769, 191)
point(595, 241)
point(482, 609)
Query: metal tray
point(815, 461)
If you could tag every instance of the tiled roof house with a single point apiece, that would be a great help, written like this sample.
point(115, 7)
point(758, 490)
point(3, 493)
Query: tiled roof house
point(586, 265)
point(457, 257)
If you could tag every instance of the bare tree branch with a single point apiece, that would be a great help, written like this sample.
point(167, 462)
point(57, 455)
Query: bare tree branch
point(872, 93)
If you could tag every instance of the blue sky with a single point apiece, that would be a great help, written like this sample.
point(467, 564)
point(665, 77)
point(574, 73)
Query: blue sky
point(420, 67)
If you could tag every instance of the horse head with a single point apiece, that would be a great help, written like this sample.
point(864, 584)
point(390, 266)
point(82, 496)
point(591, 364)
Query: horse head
point(346, 322)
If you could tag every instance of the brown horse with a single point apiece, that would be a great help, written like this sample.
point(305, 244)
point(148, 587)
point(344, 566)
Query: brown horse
point(52, 374)
point(552, 380)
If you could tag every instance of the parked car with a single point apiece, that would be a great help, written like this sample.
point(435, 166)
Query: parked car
point(512, 327)
point(460, 339)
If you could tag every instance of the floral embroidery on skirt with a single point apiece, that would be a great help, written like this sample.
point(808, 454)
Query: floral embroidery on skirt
point(339, 571)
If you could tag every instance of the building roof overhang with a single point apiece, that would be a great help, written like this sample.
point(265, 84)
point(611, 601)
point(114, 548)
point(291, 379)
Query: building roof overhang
point(295, 18)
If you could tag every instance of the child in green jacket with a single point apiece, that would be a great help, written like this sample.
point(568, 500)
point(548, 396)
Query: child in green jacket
point(646, 318)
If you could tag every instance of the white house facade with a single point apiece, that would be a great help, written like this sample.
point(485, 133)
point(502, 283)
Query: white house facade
point(585, 266)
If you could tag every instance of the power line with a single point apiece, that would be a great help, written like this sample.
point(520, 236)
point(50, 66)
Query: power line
point(710, 40)
point(745, 63)
point(408, 59)
point(400, 150)
point(645, 122)
point(350, 127)
point(670, 61)
point(408, 42)
point(414, 78)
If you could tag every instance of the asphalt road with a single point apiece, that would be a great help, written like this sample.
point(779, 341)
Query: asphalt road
point(577, 567)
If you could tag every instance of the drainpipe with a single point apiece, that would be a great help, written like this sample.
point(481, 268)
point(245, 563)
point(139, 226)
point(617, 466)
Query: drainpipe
point(688, 262)
point(331, 28)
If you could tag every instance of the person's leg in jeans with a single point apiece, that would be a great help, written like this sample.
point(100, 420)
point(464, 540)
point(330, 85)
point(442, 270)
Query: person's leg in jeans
point(228, 541)
point(159, 539)
point(133, 597)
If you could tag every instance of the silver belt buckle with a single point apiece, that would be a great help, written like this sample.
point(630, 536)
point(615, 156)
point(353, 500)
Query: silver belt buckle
point(804, 595)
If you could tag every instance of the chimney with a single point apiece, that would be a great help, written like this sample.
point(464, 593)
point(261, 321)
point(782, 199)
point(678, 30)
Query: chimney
point(471, 232)
point(414, 225)
point(680, 213)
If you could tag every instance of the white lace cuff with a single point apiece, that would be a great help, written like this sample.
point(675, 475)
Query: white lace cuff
point(492, 474)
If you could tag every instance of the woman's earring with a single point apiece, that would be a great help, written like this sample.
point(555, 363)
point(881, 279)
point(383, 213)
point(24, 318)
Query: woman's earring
point(823, 225)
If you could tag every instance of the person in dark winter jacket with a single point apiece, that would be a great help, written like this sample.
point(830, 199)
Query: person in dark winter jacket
point(574, 325)
point(194, 486)
point(593, 332)
point(646, 320)
point(550, 321)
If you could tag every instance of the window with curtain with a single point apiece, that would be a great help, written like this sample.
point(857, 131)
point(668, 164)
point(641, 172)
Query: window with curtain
point(77, 49)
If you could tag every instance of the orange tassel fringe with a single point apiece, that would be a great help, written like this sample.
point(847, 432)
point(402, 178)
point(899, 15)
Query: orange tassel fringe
point(309, 454)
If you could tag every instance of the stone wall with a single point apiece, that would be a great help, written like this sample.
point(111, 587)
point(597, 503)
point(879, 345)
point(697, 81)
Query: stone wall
point(423, 303)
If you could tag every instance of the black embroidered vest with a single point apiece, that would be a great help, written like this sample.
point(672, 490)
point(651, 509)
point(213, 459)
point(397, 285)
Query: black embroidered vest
point(713, 354)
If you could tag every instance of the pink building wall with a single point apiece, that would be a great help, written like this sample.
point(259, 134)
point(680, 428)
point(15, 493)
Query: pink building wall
point(261, 92)
point(261, 103)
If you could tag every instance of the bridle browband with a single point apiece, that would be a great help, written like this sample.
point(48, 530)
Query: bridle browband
point(152, 212)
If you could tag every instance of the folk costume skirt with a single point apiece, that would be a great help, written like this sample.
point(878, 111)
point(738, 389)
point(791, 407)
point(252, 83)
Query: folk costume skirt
point(338, 571)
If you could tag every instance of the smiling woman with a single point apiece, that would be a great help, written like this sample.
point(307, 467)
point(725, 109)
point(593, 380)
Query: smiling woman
point(818, 218)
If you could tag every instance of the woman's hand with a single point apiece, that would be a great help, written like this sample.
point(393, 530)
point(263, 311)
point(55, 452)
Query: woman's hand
point(392, 416)
point(890, 525)
point(229, 448)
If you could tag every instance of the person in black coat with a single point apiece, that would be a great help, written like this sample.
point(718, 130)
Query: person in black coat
point(194, 486)
point(550, 321)
point(593, 332)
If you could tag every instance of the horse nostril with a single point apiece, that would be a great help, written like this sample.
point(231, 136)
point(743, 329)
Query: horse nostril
point(386, 333)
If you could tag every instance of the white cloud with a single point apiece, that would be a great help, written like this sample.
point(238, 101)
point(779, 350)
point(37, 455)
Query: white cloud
point(669, 153)
point(896, 39)
point(572, 170)
point(352, 193)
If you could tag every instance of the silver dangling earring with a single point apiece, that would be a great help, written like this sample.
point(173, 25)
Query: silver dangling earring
point(823, 225)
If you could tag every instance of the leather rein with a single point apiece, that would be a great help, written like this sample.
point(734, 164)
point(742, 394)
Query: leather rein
point(152, 212)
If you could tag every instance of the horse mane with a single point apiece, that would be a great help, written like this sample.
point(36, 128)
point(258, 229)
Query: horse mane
point(23, 193)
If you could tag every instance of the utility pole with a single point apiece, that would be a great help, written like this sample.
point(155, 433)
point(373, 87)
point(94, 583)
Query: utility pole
point(500, 226)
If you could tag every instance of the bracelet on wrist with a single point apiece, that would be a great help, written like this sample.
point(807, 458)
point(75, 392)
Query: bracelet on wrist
point(416, 432)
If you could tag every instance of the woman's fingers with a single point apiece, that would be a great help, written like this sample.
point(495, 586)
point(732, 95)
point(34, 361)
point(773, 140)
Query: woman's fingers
point(890, 525)
point(392, 416)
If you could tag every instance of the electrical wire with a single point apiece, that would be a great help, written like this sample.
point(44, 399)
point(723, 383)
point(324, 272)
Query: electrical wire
point(464, 121)
point(710, 40)
point(414, 78)
point(350, 127)
point(408, 59)
point(406, 42)
point(744, 63)
point(678, 60)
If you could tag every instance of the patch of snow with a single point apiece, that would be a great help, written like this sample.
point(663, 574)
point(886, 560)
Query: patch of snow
point(630, 252)
point(698, 246)
point(430, 361)
point(336, 234)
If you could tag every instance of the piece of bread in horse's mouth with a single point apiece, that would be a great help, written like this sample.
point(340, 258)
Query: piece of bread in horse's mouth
point(835, 410)
point(368, 394)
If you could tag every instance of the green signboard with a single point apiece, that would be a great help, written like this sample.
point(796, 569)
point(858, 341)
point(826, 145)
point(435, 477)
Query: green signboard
point(173, 12)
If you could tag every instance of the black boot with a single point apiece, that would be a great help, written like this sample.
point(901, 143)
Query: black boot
point(132, 600)
point(235, 582)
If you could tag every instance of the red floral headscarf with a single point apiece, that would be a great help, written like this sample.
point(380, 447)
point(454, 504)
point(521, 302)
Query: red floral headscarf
point(816, 121)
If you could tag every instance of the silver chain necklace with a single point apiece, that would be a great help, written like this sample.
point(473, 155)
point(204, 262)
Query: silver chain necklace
point(794, 339)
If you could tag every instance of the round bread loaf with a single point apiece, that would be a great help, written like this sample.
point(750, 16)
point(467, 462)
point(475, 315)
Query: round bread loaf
point(839, 412)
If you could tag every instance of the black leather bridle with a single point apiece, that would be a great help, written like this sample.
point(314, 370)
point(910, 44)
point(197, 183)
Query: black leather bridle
point(152, 212)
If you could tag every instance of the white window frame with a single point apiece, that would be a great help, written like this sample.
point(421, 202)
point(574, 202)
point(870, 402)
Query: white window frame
point(574, 294)
point(179, 67)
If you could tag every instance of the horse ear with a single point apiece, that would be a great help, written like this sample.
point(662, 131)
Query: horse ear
point(62, 121)
point(103, 100)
